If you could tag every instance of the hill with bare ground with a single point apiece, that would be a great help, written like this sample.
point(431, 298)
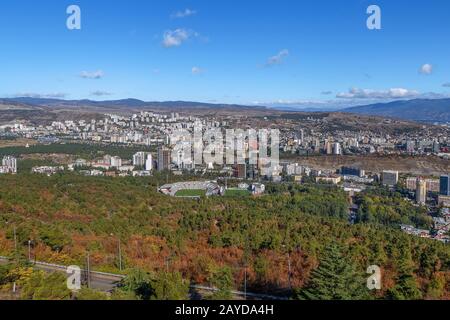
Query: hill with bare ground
point(427, 166)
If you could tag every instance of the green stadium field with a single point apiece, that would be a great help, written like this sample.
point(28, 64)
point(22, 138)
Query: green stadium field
point(190, 193)
point(236, 193)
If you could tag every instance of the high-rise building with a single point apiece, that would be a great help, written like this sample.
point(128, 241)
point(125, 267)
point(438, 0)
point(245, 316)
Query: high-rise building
point(107, 160)
point(389, 177)
point(163, 158)
point(302, 135)
point(436, 146)
point(10, 164)
point(240, 171)
point(337, 148)
point(411, 183)
point(350, 171)
point(410, 146)
point(252, 172)
point(431, 184)
point(328, 147)
point(139, 159)
point(444, 185)
point(421, 191)
point(149, 163)
point(116, 162)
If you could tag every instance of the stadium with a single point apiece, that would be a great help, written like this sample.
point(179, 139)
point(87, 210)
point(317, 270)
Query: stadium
point(192, 189)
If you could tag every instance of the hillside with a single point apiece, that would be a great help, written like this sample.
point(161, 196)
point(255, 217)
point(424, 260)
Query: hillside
point(430, 110)
point(119, 104)
point(372, 163)
point(67, 216)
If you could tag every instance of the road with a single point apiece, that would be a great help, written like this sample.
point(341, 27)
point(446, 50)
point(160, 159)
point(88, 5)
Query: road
point(98, 280)
point(106, 282)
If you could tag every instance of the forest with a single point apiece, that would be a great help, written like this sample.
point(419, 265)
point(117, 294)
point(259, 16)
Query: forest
point(86, 151)
point(295, 241)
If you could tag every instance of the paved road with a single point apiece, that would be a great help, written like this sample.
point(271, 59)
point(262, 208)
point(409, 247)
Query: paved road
point(98, 280)
point(108, 281)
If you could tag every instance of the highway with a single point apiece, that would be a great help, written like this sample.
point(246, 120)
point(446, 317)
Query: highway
point(98, 280)
point(106, 282)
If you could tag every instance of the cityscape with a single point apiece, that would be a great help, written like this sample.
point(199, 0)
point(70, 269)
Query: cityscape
point(135, 192)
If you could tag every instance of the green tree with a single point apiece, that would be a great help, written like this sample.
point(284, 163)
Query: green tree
point(222, 280)
point(406, 287)
point(162, 286)
point(4, 274)
point(90, 294)
point(42, 286)
point(429, 261)
point(54, 238)
point(170, 286)
point(138, 283)
point(336, 278)
point(436, 287)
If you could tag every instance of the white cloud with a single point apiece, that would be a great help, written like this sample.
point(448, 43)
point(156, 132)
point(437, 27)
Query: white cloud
point(446, 85)
point(92, 75)
point(175, 38)
point(426, 69)
point(278, 58)
point(197, 70)
point(393, 93)
point(306, 104)
point(53, 95)
point(434, 95)
point(182, 14)
point(100, 93)
point(325, 93)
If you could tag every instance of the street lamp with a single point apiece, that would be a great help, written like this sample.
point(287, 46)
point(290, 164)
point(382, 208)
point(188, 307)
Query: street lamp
point(29, 250)
point(289, 265)
point(245, 282)
point(15, 238)
point(119, 250)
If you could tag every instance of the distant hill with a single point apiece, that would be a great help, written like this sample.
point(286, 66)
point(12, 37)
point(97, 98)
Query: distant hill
point(120, 104)
point(430, 110)
point(424, 110)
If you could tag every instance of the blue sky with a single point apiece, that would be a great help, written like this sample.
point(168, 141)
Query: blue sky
point(302, 53)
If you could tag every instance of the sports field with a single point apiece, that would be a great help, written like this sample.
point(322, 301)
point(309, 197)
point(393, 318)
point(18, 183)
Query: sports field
point(236, 193)
point(190, 193)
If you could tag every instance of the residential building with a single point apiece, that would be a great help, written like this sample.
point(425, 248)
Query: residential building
point(240, 171)
point(149, 163)
point(163, 158)
point(350, 171)
point(444, 188)
point(116, 162)
point(139, 159)
point(337, 148)
point(9, 165)
point(389, 177)
point(421, 191)
point(334, 179)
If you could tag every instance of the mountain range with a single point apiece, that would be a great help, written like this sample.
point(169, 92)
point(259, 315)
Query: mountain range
point(119, 104)
point(426, 110)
